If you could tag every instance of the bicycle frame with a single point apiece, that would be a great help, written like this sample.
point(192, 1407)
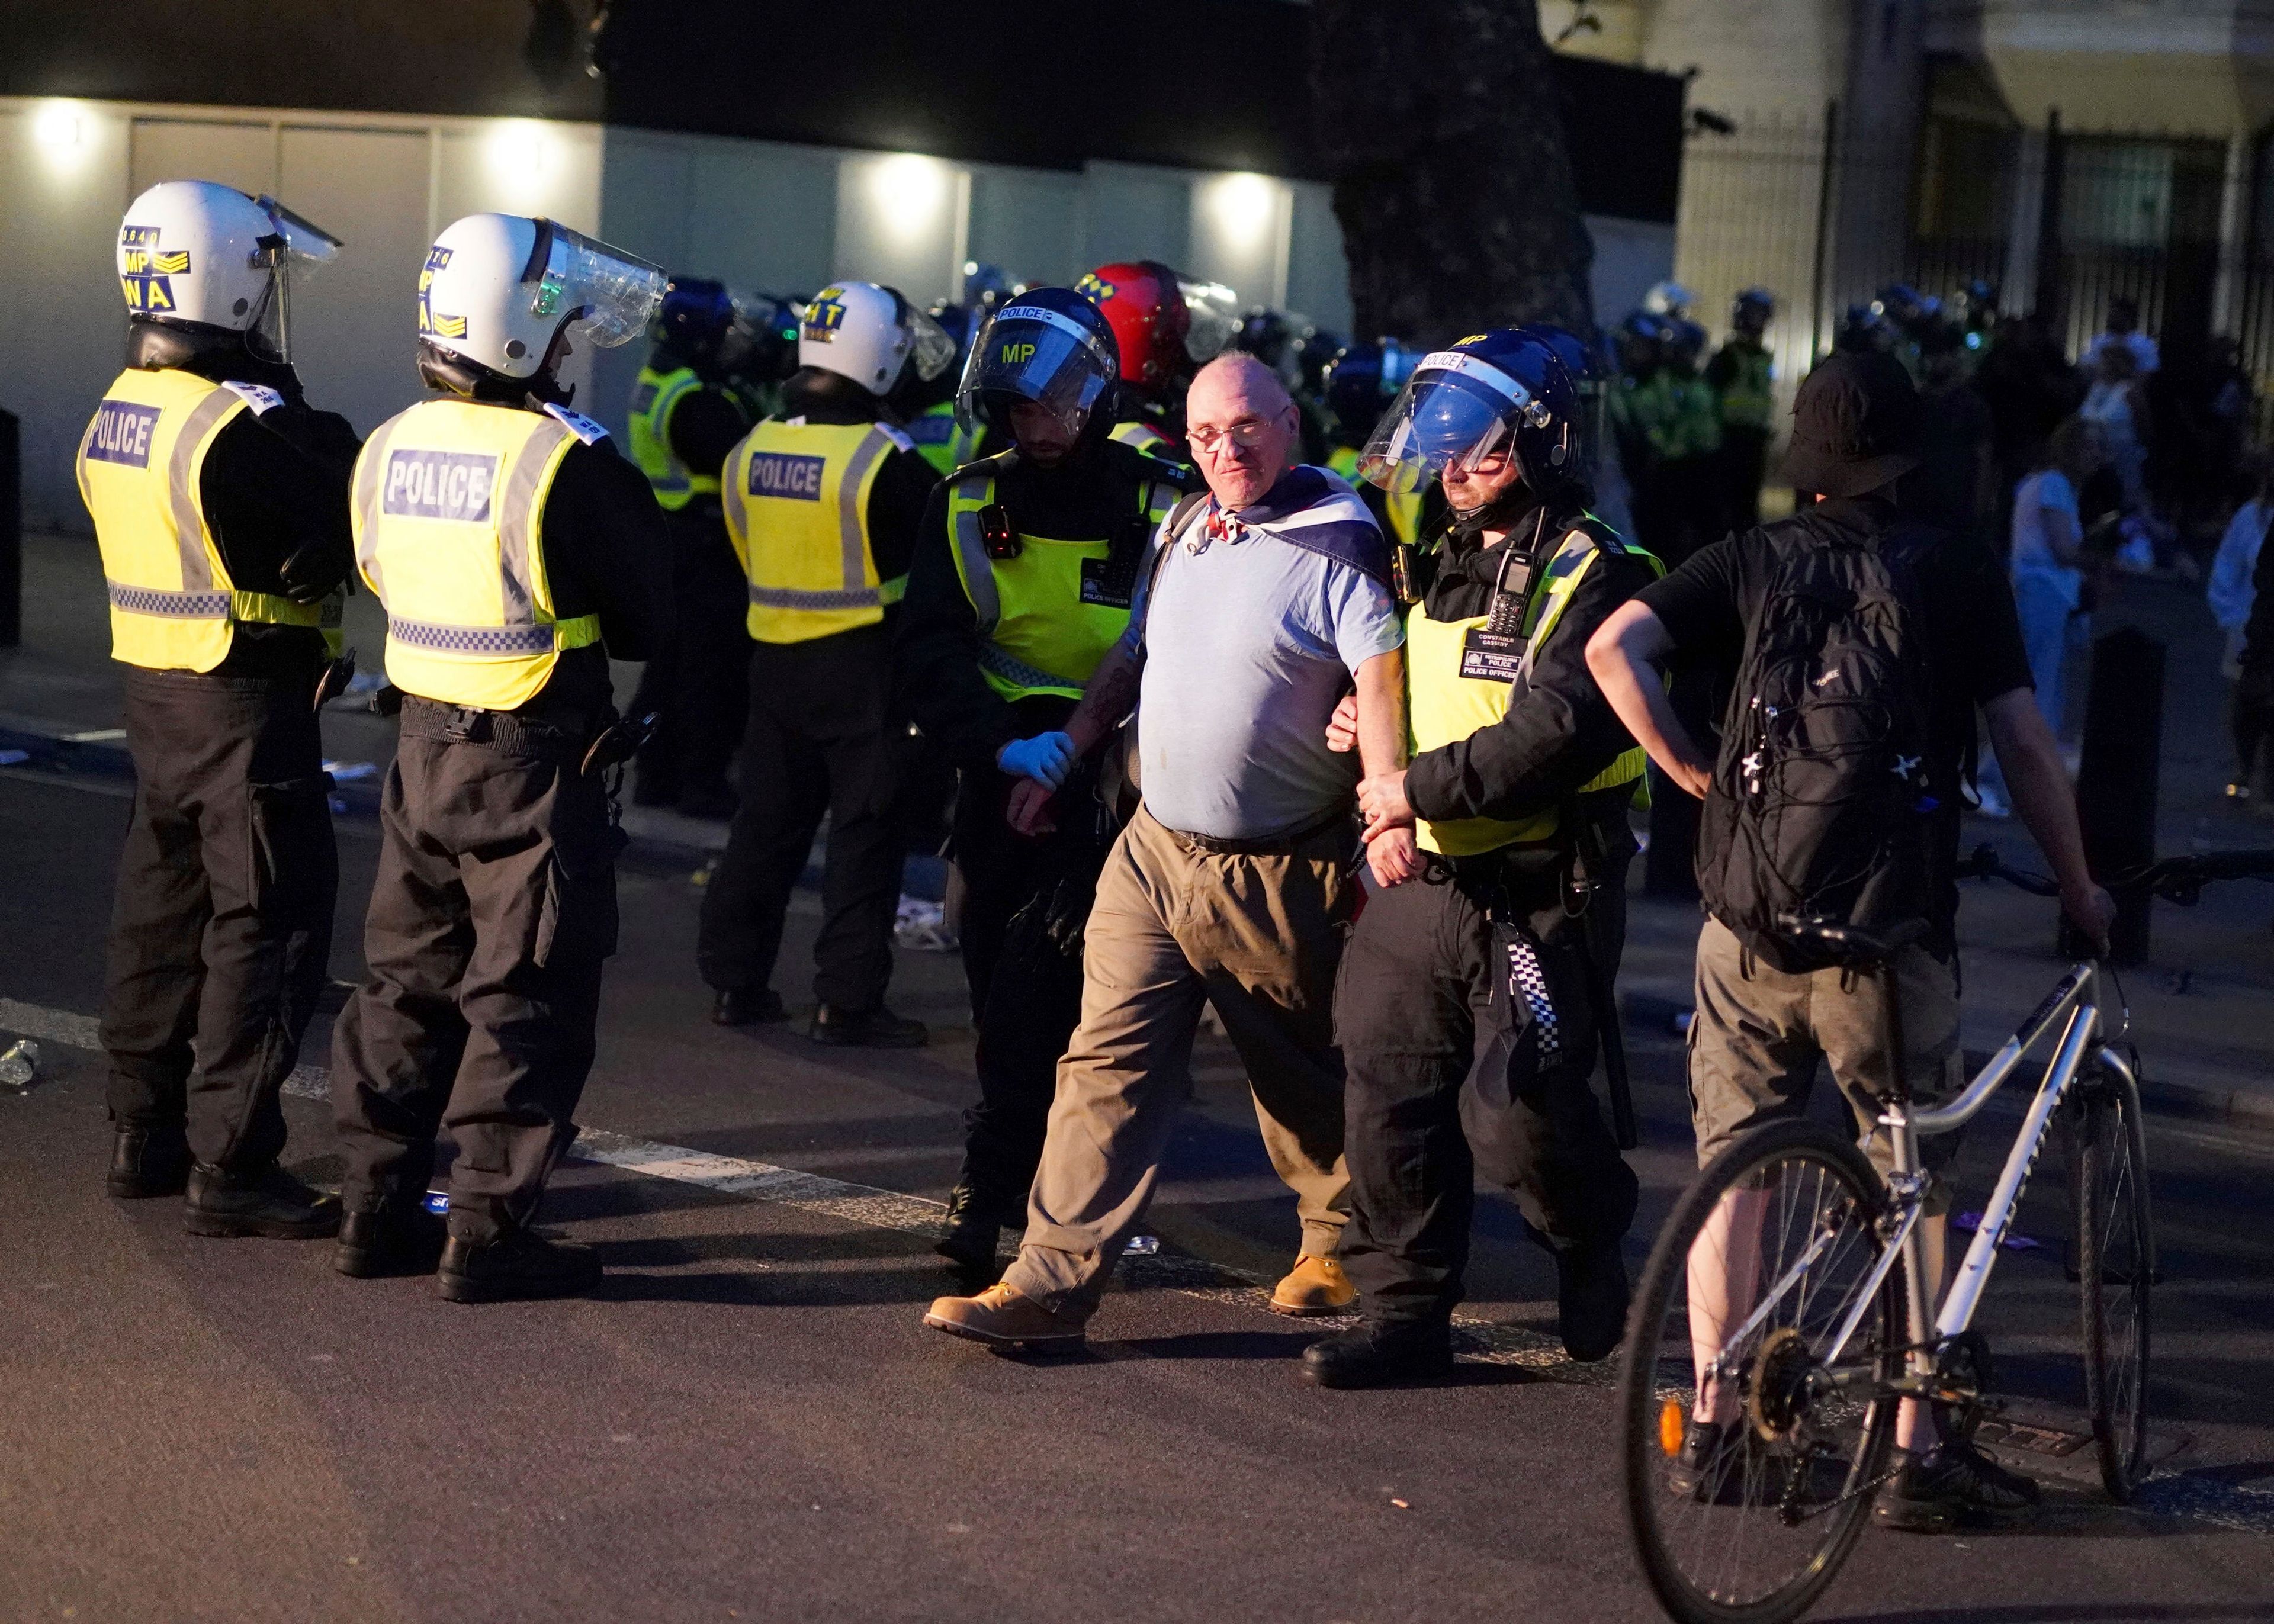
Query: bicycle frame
point(2074, 1000)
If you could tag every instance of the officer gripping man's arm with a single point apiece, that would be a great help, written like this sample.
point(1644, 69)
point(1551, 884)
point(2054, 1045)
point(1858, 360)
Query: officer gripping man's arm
point(220, 505)
point(1517, 789)
point(1019, 594)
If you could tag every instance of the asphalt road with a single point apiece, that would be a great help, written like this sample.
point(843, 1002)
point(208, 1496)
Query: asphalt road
point(749, 1421)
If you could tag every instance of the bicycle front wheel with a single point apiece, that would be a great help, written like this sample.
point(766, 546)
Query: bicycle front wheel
point(1752, 1398)
point(2116, 1267)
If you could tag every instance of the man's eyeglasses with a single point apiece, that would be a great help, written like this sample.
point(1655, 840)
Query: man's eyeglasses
point(1247, 434)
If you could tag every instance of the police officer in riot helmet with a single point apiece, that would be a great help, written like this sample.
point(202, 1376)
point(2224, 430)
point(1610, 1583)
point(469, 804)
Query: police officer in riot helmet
point(1472, 1001)
point(686, 415)
point(1022, 582)
point(1166, 326)
point(220, 502)
point(823, 505)
point(516, 552)
point(1360, 385)
point(1742, 374)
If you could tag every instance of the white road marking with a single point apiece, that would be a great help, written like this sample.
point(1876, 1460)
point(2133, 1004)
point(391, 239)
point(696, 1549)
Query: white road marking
point(2240, 1507)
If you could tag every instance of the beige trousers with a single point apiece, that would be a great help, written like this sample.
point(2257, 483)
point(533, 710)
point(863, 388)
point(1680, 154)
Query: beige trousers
point(1259, 937)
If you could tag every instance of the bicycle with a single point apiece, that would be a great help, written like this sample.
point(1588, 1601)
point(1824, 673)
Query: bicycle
point(1822, 1265)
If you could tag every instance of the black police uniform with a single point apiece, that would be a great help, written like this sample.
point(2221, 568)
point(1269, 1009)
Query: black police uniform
point(1025, 901)
point(222, 924)
point(698, 681)
point(822, 738)
point(495, 904)
point(1467, 1008)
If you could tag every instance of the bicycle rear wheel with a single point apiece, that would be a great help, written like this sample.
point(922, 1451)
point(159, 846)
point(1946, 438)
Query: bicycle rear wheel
point(1748, 1524)
point(2116, 1267)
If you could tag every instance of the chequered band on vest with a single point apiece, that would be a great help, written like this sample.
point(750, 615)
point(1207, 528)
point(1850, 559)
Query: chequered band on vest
point(790, 598)
point(994, 657)
point(494, 640)
point(173, 605)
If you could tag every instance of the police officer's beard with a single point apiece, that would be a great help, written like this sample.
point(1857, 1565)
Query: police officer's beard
point(1502, 513)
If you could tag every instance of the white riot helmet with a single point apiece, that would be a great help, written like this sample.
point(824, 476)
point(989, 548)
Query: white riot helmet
point(499, 290)
point(868, 334)
point(196, 254)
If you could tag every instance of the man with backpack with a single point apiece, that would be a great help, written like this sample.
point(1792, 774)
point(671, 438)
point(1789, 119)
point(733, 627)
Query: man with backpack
point(1860, 643)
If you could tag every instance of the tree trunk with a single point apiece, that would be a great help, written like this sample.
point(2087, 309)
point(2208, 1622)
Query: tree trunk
point(1442, 123)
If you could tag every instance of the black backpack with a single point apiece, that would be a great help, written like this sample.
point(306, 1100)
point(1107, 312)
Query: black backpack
point(1821, 803)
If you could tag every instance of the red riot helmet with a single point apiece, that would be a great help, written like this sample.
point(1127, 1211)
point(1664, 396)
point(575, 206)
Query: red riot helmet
point(1165, 323)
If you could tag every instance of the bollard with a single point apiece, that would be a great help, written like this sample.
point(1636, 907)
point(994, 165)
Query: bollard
point(12, 531)
point(2116, 783)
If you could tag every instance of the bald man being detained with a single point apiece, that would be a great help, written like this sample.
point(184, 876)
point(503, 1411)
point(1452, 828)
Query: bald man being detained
point(1258, 608)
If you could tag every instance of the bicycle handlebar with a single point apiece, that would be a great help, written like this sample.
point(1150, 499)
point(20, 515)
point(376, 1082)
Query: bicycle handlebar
point(2179, 880)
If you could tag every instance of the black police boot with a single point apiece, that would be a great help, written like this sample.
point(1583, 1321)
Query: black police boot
point(270, 1202)
point(146, 1161)
point(1591, 1295)
point(967, 1237)
point(877, 1029)
point(518, 1265)
point(745, 1006)
point(389, 1240)
point(1381, 1353)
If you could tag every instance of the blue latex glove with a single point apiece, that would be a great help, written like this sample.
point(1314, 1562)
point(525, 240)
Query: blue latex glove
point(1046, 758)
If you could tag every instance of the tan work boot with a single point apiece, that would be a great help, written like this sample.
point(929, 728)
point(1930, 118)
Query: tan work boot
point(1000, 1318)
point(1317, 1286)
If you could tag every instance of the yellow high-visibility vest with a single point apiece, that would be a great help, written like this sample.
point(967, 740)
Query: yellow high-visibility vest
point(936, 437)
point(449, 529)
point(173, 606)
point(648, 428)
point(1141, 436)
point(797, 511)
point(1047, 616)
point(1444, 707)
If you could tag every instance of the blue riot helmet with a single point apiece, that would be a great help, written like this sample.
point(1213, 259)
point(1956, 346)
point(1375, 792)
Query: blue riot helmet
point(1354, 393)
point(1050, 347)
point(1499, 393)
point(1584, 364)
point(695, 317)
point(985, 288)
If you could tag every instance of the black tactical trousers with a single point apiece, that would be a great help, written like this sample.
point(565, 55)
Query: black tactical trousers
point(699, 680)
point(222, 925)
point(821, 740)
point(1025, 903)
point(1467, 1046)
point(493, 909)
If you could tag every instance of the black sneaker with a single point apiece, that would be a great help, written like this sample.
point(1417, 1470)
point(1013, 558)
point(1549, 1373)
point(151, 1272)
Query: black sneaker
point(1932, 1494)
point(969, 1233)
point(1381, 1353)
point(146, 1161)
point(270, 1203)
point(1591, 1298)
point(518, 1265)
point(743, 1006)
point(1722, 1464)
point(389, 1241)
point(877, 1029)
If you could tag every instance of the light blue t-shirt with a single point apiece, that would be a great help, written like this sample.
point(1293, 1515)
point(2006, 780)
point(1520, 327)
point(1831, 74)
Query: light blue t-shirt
point(1250, 644)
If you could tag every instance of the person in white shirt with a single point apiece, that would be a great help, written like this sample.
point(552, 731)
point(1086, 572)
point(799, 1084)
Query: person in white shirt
point(2124, 332)
point(2231, 592)
point(2048, 543)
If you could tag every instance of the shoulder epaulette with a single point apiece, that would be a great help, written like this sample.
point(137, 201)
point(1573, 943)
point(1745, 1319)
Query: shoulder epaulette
point(576, 423)
point(898, 437)
point(261, 397)
point(986, 467)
